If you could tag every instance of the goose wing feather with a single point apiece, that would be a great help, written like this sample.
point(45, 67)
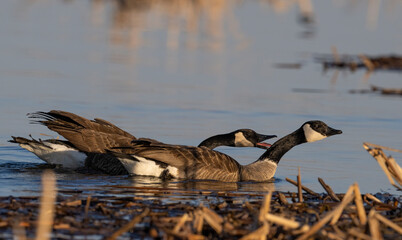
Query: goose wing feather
point(87, 135)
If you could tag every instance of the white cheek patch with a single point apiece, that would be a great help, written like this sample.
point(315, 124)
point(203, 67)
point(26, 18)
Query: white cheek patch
point(311, 134)
point(241, 141)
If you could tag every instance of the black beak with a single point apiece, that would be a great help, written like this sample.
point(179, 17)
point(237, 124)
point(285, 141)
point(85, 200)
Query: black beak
point(333, 131)
point(261, 138)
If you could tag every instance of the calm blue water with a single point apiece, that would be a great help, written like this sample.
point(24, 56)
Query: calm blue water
point(180, 71)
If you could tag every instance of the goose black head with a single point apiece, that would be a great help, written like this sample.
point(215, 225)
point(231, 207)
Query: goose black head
point(249, 138)
point(317, 130)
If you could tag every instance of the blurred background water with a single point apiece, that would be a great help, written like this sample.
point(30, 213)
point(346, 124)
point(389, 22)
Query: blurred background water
point(180, 71)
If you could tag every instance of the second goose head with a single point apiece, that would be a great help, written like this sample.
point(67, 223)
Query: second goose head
point(238, 138)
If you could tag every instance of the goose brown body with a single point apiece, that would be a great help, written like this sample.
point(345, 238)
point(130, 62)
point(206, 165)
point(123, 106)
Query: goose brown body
point(201, 163)
point(94, 139)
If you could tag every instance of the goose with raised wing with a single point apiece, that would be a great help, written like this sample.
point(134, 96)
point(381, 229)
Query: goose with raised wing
point(186, 162)
point(88, 141)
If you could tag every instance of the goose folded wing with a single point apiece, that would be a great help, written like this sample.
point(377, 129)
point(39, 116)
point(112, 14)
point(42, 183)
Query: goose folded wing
point(192, 162)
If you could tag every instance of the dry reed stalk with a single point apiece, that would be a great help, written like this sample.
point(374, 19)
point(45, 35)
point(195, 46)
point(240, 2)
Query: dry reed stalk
point(371, 197)
point(391, 169)
point(395, 169)
point(261, 233)
point(265, 206)
point(328, 189)
point(345, 201)
point(198, 221)
point(46, 210)
point(374, 225)
point(359, 205)
point(367, 62)
point(308, 190)
point(87, 207)
point(181, 222)
point(382, 147)
point(129, 225)
point(316, 227)
point(282, 198)
point(285, 222)
point(299, 187)
point(335, 54)
point(213, 219)
point(389, 223)
point(356, 233)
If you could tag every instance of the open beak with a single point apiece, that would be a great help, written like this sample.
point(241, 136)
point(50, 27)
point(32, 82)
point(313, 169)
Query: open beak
point(262, 138)
point(333, 131)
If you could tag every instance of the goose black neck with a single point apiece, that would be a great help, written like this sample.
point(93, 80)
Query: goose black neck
point(216, 141)
point(283, 145)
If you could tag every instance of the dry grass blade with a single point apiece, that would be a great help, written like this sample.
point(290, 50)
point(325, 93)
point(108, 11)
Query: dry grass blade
point(367, 62)
point(328, 189)
point(359, 235)
point(382, 147)
point(129, 225)
point(261, 233)
point(198, 221)
point(316, 227)
point(395, 169)
point(87, 207)
point(282, 198)
point(46, 211)
point(299, 187)
point(389, 223)
point(213, 219)
point(266, 204)
point(284, 222)
point(180, 223)
point(359, 205)
point(345, 201)
point(374, 225)
point(308, 190)
point(371, 197)
point(390, 167)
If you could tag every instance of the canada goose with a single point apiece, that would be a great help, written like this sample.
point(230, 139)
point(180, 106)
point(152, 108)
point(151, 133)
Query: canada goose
point(185, 162)
point(90, 140)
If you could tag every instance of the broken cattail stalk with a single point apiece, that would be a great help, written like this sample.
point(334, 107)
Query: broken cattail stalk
point(345, 201)
point(367, 62)
point(213, 219)
point(371, 197)
point(374, 225)
point(382, 147)
point(46, 211)
point(389, 223)
point(180, 223)
point(282, 198)
point(129, 225)
point(260, 233)
point(316, 227)
point(266, 204)
point(299, 187)
point(285, 222)
point(382, 160)
point(359, 205)
point(356, 233)
point(328, 189)
point(198, 221)
point(308, 190)
point(87, 207)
